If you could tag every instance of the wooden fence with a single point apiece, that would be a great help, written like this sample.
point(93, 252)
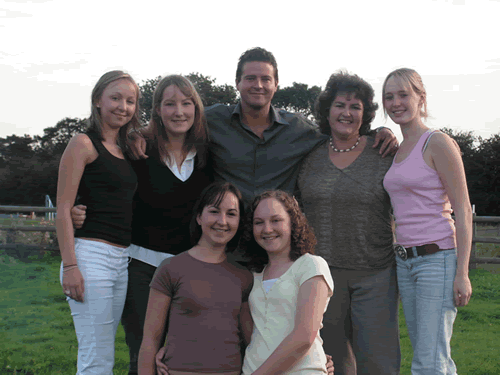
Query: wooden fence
point(18, 247)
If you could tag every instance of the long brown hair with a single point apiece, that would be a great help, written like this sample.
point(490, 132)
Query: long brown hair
point(197, 136)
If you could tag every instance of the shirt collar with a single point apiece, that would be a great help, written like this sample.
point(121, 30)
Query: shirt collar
point(275, 115)
point(191, 154)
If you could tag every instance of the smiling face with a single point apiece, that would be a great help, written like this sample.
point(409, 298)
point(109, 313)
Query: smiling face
point(257, 85)
point(346, 116)
point(177, 112)
point(117, 103)
point(401, 102)
point(272, 227)
point(219, 223)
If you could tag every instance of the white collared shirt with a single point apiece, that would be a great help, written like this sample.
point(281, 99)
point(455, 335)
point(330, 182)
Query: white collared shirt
point(187, 166)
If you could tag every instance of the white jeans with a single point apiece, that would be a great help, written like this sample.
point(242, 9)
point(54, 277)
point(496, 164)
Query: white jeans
point(104, 270)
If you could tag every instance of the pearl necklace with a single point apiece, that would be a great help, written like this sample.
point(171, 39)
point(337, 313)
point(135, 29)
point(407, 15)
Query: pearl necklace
point(347, 149)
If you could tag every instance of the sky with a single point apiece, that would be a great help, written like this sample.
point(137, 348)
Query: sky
point(52, 52)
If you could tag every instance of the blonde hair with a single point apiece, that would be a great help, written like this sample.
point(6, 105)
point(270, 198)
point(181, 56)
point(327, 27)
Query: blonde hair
point(95, 120)
point(412, 79)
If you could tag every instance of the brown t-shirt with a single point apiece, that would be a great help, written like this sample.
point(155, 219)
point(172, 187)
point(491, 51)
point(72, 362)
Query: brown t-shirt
point(203, 330)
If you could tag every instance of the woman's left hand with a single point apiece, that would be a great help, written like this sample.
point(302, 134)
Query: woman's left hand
point(462, 290)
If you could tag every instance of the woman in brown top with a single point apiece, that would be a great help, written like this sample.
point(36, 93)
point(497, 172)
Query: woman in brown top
point(202, 293)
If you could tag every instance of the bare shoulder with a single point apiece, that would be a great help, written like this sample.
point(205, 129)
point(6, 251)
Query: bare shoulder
point(442, 140)
point(81, 145)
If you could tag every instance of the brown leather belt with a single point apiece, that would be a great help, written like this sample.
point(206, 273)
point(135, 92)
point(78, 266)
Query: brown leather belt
point(406, 253)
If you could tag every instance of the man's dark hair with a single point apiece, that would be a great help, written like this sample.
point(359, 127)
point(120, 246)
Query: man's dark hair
point(256, 54)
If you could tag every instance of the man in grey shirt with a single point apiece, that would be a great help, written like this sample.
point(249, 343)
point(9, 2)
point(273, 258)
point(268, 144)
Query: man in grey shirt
point(255, 145)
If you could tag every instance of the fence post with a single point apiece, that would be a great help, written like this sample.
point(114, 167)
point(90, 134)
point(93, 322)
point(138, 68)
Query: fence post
point(48, 203)
point(10, 236)
point(472, 262)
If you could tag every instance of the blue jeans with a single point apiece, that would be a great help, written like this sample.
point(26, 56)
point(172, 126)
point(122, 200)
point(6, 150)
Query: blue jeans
point(104, 270)
point(426, 289)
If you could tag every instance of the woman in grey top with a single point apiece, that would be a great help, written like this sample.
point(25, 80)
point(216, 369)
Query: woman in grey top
point(340, 187)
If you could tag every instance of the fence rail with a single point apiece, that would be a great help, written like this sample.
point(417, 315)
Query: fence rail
point(11, 233)
point(474, 259)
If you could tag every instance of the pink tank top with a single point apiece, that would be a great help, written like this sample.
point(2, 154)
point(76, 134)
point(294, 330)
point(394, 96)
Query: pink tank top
point(419, 200)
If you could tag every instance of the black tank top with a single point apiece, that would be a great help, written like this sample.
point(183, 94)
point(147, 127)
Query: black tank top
point(107, 189)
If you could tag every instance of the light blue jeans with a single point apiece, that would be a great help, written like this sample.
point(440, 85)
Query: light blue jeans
point(104, 270)
point(426, 289)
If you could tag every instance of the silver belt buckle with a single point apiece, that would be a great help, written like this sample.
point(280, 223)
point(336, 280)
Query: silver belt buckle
point(401, 251)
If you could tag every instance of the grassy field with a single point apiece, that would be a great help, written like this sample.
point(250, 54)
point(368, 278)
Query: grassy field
point(37, 336)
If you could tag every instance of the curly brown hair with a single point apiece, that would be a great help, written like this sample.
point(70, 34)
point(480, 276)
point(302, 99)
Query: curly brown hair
point(303, 239)
point(344, 82)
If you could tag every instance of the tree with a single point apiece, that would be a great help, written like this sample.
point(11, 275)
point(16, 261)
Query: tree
point(297, 98)
point(55, 139)
point(147, 89)
point(487, 187)
point(481, 158)
point(13, 146)
point(210, 92)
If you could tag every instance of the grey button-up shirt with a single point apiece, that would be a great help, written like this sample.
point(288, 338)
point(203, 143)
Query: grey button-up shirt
point(254, 164)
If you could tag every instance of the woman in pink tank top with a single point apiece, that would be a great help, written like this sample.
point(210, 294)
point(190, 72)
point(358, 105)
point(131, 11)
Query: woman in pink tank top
point(425, 181)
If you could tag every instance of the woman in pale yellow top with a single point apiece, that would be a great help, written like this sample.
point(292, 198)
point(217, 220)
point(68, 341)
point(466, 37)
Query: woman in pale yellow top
point(291, 289)
point(289, 296)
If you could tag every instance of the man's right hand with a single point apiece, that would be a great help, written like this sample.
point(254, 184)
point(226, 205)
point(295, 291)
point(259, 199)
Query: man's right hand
point(78, 215)
point(138, 146)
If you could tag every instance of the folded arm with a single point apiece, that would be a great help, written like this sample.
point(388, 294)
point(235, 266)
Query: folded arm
point(311, 304)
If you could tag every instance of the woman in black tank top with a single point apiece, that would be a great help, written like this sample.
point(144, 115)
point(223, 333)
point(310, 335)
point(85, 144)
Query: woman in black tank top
point(171, 179)
point(94, 167)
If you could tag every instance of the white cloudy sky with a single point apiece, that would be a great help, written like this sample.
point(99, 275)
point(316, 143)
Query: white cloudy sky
point(53, 51)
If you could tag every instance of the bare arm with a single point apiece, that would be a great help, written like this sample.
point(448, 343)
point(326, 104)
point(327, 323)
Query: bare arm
point(154, 326)
point(138, 144)
point(77, 155)
point(389, 141)
point(311, 304)
point(246, 323)
point(448, 163)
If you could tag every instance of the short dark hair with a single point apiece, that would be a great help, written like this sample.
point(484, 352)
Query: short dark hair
point(256, 54)
point(214, 194)
point(344, 82)
point(303, 239)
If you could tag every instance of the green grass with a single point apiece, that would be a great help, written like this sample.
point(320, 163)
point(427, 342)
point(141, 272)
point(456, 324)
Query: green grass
point(37, 335)
point(36, 330)
point(25, 221)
